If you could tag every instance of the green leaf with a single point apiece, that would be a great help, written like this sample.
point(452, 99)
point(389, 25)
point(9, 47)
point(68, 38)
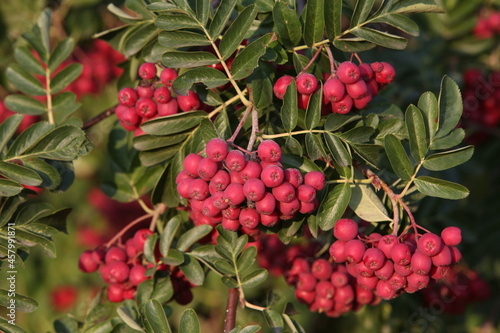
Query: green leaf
point(451, 140)
point(411, 6)
point(384, 39)
point(450, 106)
point(336, 121)
point(192, 236)
point(63, 105)
point(139, 38)
point(25, 104)
point(361, 12)
point(367, 205)
point(333, 206)
point(255, 278)
point(440, 188)
point(237, 31)
point(28, 138)
point(400, 22)
point(192, 270)
point(39, 36)
point(289, 110)
point(65, 77)
point(127, 317)
point(225, 267)
point(353, 44)
point(221, 17)
point(51, 178)
point(172, 22)
point(168, 234)
point(156, 156)
point(396, 153)
point(61, 52)
point(210, 77)
point(9, 188)
point(20, 174)
point(163, 290)
point(294, 146)
point(287, 24)
point(338, 150)
point(448, 159)
point(155, 316)
point(165, 7)
point(248, 59)
point(177, 39)
point(313, 112)
point(360, 134)
point(23, 80)
point(246, 259)
point(262, 88)
point(22, 303)
point(333, 19)
point(314, 146)
point(203, 10)
point(250, 329)
point(274, 320)
point(28, 61)
point(173, 124)
point(314, 23)
point(177, 59)
point(149, 248)
point(428, 104)
point(416, 132)
point(8, 128)
point(124, 16)
point(189, 322)
point(173, 258)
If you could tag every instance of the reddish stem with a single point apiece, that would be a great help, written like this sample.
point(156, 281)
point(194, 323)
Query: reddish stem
point(332, 60)
point(240, 125)
point(124, 230)
point(231, 307)
point(101, 116)
point(312, 60)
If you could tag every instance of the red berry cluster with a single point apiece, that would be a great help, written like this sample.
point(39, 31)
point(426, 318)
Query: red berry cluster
point(481, 98)
point(350, 86)
point(452, 294)
point(151, 99)
point(238, 189)
point(487, 25)
point(389, 265)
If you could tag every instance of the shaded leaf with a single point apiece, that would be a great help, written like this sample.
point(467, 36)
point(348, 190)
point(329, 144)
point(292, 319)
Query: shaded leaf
point(287, 24)
point(61, 52)
point(333, 206)
point(172, 22)
point(450, 106)
point(177, 59)
point(221, 17)
point(314, 22)
point(384, 39)
point(248, 59)
point(289, 110)
point(173, 124)
point(192, 270)
point(25, 104)
point(313, 112)
point(210, 77)
point(28, 61)
point(428, 104)
point(448, 159)
point(416, 132)
point(255, 278)
point(177, 39)
point(155, 316)
point(65, 77)
point(339, 152)
point(440, 188)
point(237, 31)
point(23, 81)
point(333, 19)
point(396, 153)
point(314, 146)
point(361, 12)
point(192, 236)
point(189, 322)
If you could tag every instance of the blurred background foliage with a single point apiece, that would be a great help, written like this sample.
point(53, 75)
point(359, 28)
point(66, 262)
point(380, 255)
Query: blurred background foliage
point(448, 44)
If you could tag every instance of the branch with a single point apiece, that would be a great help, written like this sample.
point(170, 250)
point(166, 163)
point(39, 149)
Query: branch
point(101, 116)
point(231, 307)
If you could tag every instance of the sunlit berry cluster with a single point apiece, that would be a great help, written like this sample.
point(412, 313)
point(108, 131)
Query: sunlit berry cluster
point(243, 190)
point(152, 98)
point(351, 86)
point(487, 24)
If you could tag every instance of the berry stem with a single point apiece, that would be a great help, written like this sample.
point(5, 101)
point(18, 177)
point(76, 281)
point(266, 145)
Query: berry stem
point(403, 193)
point(160, 209)
point(312, 60)
point(331, 59)
point(124, 230)
point(231, 308)
point(254, 307)
point(240, 125)
point(101, 116)
point(255, 128)
point(226, 103)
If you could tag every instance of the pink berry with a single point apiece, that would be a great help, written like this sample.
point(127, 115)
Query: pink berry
point(337, 251)
point(374, 259)
point(235, 160)
point(127, 96)
point(145, 91)
point(294, 177)
point(234, 194)
point(348, 72)
point(167, 76)
point(354, 250)
point(284, 192)
point(357, 90)
point(269, 151)
point(333, 90)
point(429, 244)
point(207, 168)
point(220, 181)
point(401, 254)
point(115, 253)
point(306, 282)
point(190, 164)
point(249, 218)
point(386, 243)
point(444, 257)
point(118, 271)
point(272, 176)
point(386, 75)
point(216, 149)
point(281, 84)
point(189, 102)
point(452, 236)
point(420, 263)
point(115, 293)
point(231, 225)
point(306, 193)
point(345, 229)
point(147, 71)
point(365, 71)
point(198, 189)
point(290, 208)
point(231, 213)
point(266, 205)
point(306, 83)
point(254, 189)
point(162, 95)
point(167, 109)
point(343, 106)
point(269, 220)
point(146, 107)
point(315, 179)
point(251, 170)
point(86, 262)
point(140, 238)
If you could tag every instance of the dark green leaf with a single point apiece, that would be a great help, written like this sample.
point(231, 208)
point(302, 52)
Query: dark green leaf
point(289, 110)
point(127, 317)
point(353, 44)
point(210, 77)
point(189, 322)
point(294, 146)
point(451, 140)
point(149, 248)
point(367, 205)
point(150, 142)
point(192, 236)
point(138, 39)
point(9, 188)
point(313, 112)
point(237, 31)
point(8, 128)
point(50, 176)
point(39, 36)
point(221, 17)
point(20, 174)
point(450, 106)
point(22, 303)
point(410, 6)
point(29, 137)
point(262, 88)
point(173, 258)
point(25, 104)
point(192, 270)
point(23, 81)
point(229, 282)
point(176, 59)
point(384, 39)
point(396, 153)
point(416, 132)
point(164, 7)
point(173, 124)
point(172, 22)
point(248, 59)
point(333, 19)
point(314, 23)
point(124, 16)
point(63, 105)
point(302, 163)
point(287, 24)
point(274, 320)
point(250, 329)
point(336, 121)
point(246, 259)
point(225, 267)
point(255, 278)
point(203, 10)
point(65, 77)
point(333, 206)
point(428, 104)
point(177, 39)
point(440, 188)
point(360, 134)
point(163, 289)
point(448, 159)
point(338, 150)
point(30, 239)
point(61, 52)
point(400, 22)
point(156, 156)
point(315, 146)
point(361, 12)
point(28, 61)
point(155, 316)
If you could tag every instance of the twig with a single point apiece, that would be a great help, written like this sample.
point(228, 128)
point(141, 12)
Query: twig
point(240, 125)
point(312, 60)
point(124, 230)
point(101, 116)
point(231, 307)
point(160, 209)
point(332, 60)
point(255, 129)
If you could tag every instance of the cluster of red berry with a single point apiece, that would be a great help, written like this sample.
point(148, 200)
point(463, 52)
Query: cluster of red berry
point(453, 293)
point(481, 98)
point(152, 98)
point(238, 189)
point(487, 25)
point(390, 265)
point(350, 86)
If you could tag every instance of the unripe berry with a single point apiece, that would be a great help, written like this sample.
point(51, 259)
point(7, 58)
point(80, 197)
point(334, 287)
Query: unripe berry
point(343, 106)
point(333, 90)
point(452, 236)
point(234, 194)
point(115, 253)
point(272, 176)
point(198, 189)
point(316, 179)
point(266, 205)
point(251, 170)
point(348, 72)
point(189, 102)
point(281, 84)
point(269, 220)
point(118, 271)
point(162, 95)
point(235, 160)
point(140, 238)
point(337, 251)
point(294, 177)
point(306, 83)
point(145, 107)
point(127, 96)
point(374, 259)
point(147, 71)
point(219, 181)
point(167, 76)
point(269, 151)
point(345, 229)
point(207, 168)
point(86, 262)
point(401, 254)
point(216, 149)
point(167, 109)
point(285, 192)
point(354, 250)
point(190, 164)
point(429, 244)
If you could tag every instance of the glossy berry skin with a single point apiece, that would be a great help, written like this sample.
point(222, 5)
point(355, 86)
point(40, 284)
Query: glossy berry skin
point(345, 229)
point(401, 254)
point(269, 151)
point(127, 96)
point(334, 90)
point(357, 90)
point(251, 170)
point(162, 95)
point(429, 244)
point(281, 84)
point(167, 109)
point(128, 116)
point(306, 83)
point(216, 149)
point(167, 76)
point(190, 164)
point(315, 179)
point(294, 177)
point(452, 236)
point(348, 72)
point(272, 176)
point(189, 102)
point(146, 107)
point(386, 75)
point(147, 71)
point(235, 160)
